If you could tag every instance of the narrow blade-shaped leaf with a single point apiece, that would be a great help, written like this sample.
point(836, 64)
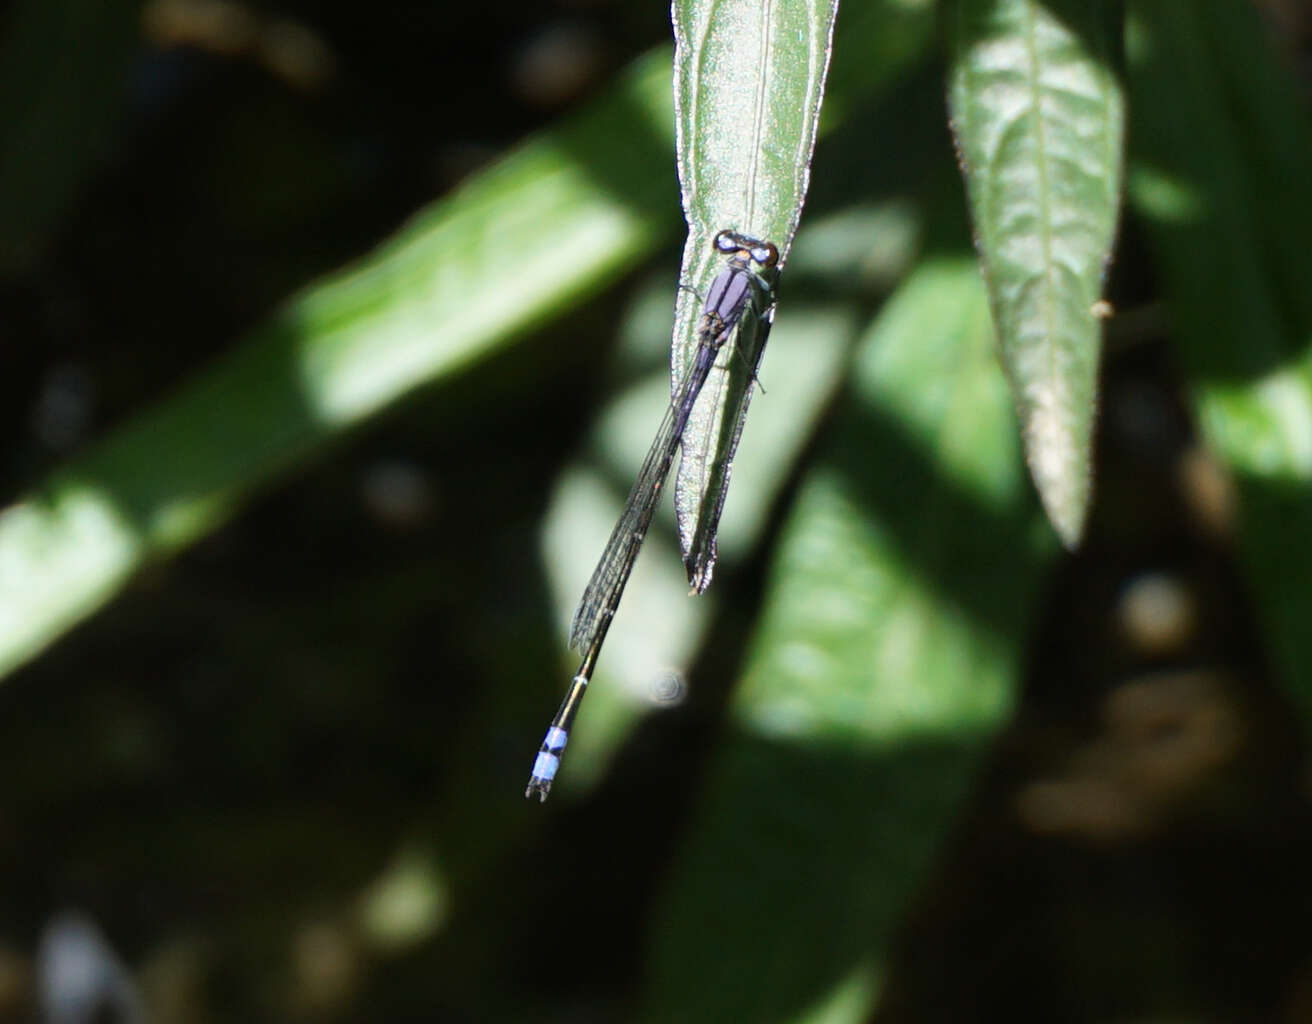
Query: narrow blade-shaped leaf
point(892, 636)
point(575, 210)
point(433, 299)
point(1222, 159)
point(1039, 119)
point(748, 82)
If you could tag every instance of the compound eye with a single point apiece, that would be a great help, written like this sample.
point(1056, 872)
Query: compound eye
point(766, 255)
point(726, 241)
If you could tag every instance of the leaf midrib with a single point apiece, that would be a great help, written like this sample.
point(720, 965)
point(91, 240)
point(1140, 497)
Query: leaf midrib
point(1044, 197)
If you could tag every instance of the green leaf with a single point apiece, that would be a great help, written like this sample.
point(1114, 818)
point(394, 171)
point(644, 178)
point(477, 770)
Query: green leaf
point(424, 306)
point(659, 631)
point(1039, 121)
point(571, 210)
point(891, 640)
point(1222, 155)
point(748, 83)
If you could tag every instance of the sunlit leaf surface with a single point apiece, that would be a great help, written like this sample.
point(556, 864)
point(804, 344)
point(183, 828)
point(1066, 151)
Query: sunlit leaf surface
point(887, 652)
point(432, 300)
point(1039, 122)
point(749, 79)
point(567, 212)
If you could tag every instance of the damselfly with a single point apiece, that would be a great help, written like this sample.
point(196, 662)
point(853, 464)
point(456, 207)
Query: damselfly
point(735, 288)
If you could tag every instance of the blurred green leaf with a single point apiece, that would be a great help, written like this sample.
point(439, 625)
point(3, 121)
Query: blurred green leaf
point(570, 209)
point(887, 653)
point(748, 84)
point(567, 207)
point(1039, 120)
point(660, 630)
point(1222, 160)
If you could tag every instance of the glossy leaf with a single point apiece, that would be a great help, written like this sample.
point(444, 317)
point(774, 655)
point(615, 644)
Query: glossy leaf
point(1039, 122)
point(1222, 158)
point(887, 653)
point(749, 80)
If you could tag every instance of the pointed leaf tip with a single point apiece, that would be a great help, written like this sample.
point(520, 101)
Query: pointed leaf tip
point(1038, 113)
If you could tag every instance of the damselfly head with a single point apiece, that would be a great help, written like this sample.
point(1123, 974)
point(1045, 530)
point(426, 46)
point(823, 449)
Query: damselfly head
point(730, 243)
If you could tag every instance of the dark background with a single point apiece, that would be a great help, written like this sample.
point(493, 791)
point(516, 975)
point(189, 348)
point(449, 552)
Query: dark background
point(219, 765)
